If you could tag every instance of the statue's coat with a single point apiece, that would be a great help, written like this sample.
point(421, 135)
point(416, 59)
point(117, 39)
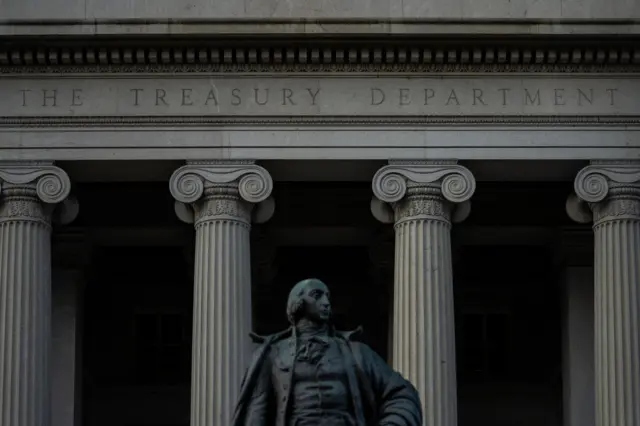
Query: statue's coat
point(381, 396)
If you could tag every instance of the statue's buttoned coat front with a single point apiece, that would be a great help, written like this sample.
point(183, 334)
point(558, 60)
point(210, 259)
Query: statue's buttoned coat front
point(380, 395)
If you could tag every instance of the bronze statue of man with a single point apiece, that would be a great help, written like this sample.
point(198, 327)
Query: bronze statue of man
point(314, 375)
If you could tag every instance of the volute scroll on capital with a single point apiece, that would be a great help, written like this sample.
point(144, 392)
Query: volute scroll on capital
point(396, 186)
point(243, 181)
point(52, 184)
point(36, 191)
point(594, 182)
point(457, 183)
point(606, 190)
point(187, 184)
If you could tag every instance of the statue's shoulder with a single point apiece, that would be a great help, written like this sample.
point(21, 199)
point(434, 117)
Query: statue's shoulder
point(270, 338)
point(361, 350)
point(350, 335)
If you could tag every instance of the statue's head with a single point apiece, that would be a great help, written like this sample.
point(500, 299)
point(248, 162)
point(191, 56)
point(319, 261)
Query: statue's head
point(309, 299)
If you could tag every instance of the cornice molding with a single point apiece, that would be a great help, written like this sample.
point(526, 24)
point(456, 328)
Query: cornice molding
point(314, 26)
point(261, 121)
point(348, 57)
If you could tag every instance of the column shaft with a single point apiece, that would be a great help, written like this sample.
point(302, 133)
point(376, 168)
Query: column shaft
point(423, 196)
point(423, 331)
point(25, 291)
point(617, 324)
point(25, 313)
point(612, 190)
point(222, 319)
point(222, 196)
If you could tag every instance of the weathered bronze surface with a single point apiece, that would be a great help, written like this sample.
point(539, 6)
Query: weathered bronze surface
point(314, 375)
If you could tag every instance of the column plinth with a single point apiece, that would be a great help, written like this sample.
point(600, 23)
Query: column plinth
point(423, 198)
point(27, 195)
point(612, 191)
point(222, 197)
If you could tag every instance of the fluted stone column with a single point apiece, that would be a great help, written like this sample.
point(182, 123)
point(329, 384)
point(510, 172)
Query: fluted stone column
point(28, 193)
point(423, 197)
point(612, 191)
point(221, 197)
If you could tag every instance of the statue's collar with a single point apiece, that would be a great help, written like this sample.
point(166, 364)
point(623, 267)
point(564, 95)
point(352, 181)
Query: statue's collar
point(306, 329)
point(289, 332)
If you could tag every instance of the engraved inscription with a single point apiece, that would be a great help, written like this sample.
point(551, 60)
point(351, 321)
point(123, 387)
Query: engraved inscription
point(318, 96)
point(477, 97)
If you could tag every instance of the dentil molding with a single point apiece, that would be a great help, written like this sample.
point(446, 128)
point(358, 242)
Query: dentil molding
point(337, 57)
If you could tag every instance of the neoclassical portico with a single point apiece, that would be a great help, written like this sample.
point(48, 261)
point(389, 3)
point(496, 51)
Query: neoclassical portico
point(261, 124)
point(223, 198)
point(423, 196)
point(423, 350)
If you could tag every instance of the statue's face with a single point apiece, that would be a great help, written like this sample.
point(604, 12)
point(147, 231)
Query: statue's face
point(317, 304)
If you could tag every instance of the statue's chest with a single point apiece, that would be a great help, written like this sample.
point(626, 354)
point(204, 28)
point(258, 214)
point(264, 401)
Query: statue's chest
point(324, 365)
point(313, 384)
point(311, 362)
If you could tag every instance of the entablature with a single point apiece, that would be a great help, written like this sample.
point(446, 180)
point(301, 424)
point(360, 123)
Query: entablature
point(297, 98)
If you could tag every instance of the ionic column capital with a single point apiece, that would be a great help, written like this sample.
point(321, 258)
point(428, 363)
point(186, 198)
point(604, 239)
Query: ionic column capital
point(610, 189)
point(227, 186)
point(188, 183)
point(24, 185)
point(456, 183)
point(50, 183)
point(418, 188)
point(600, 180)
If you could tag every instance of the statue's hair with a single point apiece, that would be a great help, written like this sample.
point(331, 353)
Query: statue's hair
point(295, 303)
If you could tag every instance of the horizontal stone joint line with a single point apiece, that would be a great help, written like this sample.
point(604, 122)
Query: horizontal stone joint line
point(261, 120)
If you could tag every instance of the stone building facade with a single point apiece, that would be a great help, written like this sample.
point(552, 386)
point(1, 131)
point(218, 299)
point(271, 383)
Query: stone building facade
point(464, 175)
